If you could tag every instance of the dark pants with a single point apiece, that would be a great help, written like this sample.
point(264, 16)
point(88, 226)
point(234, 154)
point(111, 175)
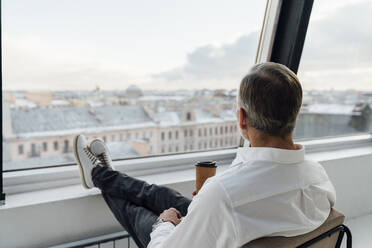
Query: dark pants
point(135, 203)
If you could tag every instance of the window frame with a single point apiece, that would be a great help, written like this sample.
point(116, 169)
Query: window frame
point(271, 47)
point(2, 194)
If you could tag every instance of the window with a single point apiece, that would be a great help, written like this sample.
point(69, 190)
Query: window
point(336, 71)
point(66, 146)
point(55, 144)
point(162, 135)
point(33, 150)
point(188, 116)
point(45, 146)
point(177, 81)
point(20, 149)
point(170, 135)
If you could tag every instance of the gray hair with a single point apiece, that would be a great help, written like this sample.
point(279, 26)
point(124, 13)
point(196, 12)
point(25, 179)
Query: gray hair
point(271, 96)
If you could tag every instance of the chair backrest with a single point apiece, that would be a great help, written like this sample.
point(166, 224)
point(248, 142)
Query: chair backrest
point(334, 219)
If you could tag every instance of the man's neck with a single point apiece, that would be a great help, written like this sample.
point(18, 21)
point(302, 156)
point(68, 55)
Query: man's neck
point(257, 139)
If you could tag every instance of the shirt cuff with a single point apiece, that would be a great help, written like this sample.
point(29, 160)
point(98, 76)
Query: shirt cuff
point(164, 225)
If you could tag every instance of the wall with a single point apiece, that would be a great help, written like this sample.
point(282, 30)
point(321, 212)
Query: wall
point(69, 220)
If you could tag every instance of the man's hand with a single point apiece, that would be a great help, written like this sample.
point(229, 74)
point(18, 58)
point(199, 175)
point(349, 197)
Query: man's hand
point(172, 215)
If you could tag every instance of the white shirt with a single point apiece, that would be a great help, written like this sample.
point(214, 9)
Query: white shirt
point(265, 192)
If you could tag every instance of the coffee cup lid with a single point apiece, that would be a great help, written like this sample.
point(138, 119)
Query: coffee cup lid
point(210, 164)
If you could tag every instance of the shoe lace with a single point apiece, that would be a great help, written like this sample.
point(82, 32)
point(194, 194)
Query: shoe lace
point(90, 155)
point(104, 157)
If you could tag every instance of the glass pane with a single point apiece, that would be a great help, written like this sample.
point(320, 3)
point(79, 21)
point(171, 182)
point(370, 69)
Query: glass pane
point(336, 70)
point(147, 77)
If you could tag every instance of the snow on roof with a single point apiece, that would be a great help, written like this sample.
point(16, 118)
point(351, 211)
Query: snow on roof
point(72, 118)
point(228, 115)
point(20, 102)
point(46, 122)
point(167, 118)
point(76, 131)
point(60, 102)
point(174, 118)
point(202, 115)
point(162, 98)
point(331, 109)
point(95, 104)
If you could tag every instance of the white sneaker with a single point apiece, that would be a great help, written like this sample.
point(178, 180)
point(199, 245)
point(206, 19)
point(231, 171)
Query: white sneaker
point(100, 150)
point(85, 160)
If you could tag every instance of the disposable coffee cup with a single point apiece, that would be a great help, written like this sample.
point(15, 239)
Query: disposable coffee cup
point(204, 170)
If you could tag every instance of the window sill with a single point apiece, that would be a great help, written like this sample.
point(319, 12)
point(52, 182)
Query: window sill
point(162, 177)
point(40, 186)
point(47, 178)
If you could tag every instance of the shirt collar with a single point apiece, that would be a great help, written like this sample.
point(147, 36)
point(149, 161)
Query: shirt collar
point(282, 156)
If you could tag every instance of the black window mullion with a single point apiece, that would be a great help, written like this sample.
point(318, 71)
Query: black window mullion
point(290, 33)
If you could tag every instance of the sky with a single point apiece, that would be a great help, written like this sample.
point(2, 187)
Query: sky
point(169, 44)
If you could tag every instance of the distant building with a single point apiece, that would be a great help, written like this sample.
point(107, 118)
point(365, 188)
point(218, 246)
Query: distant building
point(33, 134)
point(133, 124)
point(322, 120)
point(133, 92)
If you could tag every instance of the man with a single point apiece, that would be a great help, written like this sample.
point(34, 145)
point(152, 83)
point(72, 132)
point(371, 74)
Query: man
point(269, 190)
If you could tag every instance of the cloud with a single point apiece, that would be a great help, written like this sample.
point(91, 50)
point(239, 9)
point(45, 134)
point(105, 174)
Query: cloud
point(33, 64)
point(337, 54)
point(215, 64)
point(338, 51)
point(342, 38)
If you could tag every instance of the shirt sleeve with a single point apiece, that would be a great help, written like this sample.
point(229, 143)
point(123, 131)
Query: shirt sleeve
point(209, 223)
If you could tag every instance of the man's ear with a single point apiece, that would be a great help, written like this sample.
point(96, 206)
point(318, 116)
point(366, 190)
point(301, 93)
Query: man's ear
point(242, 119)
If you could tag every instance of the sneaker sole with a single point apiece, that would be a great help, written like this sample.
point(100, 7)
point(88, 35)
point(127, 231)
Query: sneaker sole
point(82, 177)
